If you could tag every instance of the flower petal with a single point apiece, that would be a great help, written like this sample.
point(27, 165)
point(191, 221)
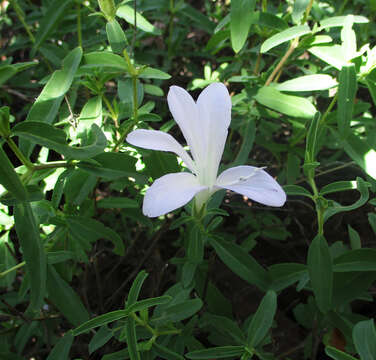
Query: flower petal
point(254, 183)
point(159, 140)
point(184, 110)
point(214, 106)
point(170, 192)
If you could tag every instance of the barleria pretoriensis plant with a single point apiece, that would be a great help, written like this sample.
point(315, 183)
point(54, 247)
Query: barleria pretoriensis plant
point(112, 248)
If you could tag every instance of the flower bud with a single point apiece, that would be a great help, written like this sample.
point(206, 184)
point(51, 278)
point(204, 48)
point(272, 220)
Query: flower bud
point(4, 121)
point(108, 9)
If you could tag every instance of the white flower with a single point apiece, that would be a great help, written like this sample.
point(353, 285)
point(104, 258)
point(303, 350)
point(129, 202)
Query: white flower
point(204, 125)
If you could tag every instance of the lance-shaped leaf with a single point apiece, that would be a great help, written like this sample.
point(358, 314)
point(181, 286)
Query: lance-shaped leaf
point(53, 138)
point(9, 178)
point(346, 97)
point(364, 336)
point(356, 260)
point(219, 352)
point(263, 319)
point(48, 102)
point(116, 37)
point(336, 354)
point(320, 267)
point(33, 252)
point(65, 298)
point(283, 36)
point(336, 208)
point(127, 13)
point(105, 59)
point(307, 83)
point(62, 347)
point(241, 263)
point(286, 104)
point(242, 16)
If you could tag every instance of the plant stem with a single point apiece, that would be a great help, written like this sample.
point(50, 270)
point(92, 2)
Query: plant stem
point(55, 164)
point(170, 28)
point(329, 109)
point(293, 46)
point(6, 272)
point(20, 16)
point(19, 154)
point(307, 11)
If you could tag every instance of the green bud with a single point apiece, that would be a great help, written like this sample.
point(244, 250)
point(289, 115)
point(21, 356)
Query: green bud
point(108, 8)
point(4, 121)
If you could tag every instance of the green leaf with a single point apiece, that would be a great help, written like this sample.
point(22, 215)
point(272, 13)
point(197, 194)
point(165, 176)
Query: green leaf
point(286, 104)
point(116, 37)
point(54, 138)
point(9, 178)
point(105, 59)
point(337, 354)
point(62, 348)
point(166, 353)
point(151, 73)
point(103, 335)
point(346, 97)
point(130, 333)
point(356, 260)
point(296, 190)
point(320, 266)
point(178, 312)
point(354, 238)
point(339, 21)
point(241, 263)
point(311, 141)
point(308, 83)
point(337, 187)
point(286, 274)
point(64, 298)
point(298, 10)
point(93, 230)
point(364, 336)
point(100, 321)
point(48, 102)
point(360, 151)
point(127, 13)
point(242, 17)
point(331, 54)
point(136, 287)
point(6, 72)
point(336, 208)
point(33, 252)
point(348, 38)
point(283, 36)
point(262, 320)
point(110, 165)
point(219, 352)
point(50, 19)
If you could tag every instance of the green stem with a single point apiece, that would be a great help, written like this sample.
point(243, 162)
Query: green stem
point(135, 99)
point(6, 272)
point(19, 154)
point(329, 109)
point(55, 164)
point(307, 11)
point(20, 16)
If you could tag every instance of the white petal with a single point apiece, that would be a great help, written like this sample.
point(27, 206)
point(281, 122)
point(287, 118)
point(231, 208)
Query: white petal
point(159, 140)
point(184, 110)
point(214, 106)
point(170, 192)
point(254, 183)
